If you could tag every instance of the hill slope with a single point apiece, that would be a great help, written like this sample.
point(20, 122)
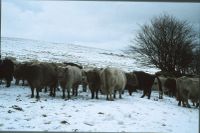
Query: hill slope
point(26, 49)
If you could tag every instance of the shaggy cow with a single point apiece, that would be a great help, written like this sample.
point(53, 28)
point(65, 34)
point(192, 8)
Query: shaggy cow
point(69, 77)
point(187, 88)
point(112, 80)
point(6, 71)
point(132, 83)
point(170, 85)
point(145, 82)
point(94, 82)
point(19, 72)
point(39, 75)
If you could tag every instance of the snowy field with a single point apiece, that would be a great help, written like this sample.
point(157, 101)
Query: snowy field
point(131, 114)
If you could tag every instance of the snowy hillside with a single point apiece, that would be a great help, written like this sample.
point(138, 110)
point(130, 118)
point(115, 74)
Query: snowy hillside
point(130, 114)
point(24, 49)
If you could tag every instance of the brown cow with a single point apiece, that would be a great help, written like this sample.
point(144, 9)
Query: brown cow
point(145, 82)
point(132, 83)
point(170, 85)
point(94, 82)
point(6, 71)
point(40, 75)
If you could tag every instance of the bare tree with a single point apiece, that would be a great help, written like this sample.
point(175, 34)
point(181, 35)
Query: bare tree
point(195, 65)
point(166, 43)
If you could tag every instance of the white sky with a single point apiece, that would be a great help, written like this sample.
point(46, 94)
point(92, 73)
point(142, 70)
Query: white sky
point(107, 25)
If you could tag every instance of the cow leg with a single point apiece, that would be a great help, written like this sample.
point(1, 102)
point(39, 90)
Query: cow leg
point(92, 92)
point(197, 105)
point(111, 98)
point(68, 93)
point(8, 83)
point(32, 92)
point(22, 82)
point(38, 90)
point(73, 91)
point(45, 90)
point(160, 95)
point(76, 90)
point(110, 93)
point(188, 105)
point(114, 94)
point(123, 92)
point(107, 97)
point(120, 94)
point(130, 92)
point(144, 93)
point(149, 94)
point(179, 102)
point(84, 88)
point(193, 103)
point(54, 91)
point(97, 94)
point(16, 82)
point(51, 91)
point(63, 93)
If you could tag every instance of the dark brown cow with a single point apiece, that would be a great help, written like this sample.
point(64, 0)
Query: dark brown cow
point(145, 82)
point(19, 72)
point(170, 85)
point(6, 71)
point(132, 83)
point(94, 82)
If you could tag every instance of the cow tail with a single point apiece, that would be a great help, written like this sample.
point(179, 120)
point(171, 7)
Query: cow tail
point(160, 88)
point(106, 81)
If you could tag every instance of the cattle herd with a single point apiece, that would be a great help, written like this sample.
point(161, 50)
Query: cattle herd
point(107, 81)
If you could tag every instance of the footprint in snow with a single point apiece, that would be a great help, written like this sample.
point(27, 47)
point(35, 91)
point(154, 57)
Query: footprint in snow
point(48, 122)
point(44, 115)
point(120, 123)
point(65, 122)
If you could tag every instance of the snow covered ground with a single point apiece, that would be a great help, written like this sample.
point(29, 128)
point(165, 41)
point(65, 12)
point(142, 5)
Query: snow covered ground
point(131, 114)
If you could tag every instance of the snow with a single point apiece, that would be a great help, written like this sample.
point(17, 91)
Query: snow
point(130, 114)
point(25, 49)
point(81, 113)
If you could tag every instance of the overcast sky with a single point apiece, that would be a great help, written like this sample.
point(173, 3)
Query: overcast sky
point(107, 25)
